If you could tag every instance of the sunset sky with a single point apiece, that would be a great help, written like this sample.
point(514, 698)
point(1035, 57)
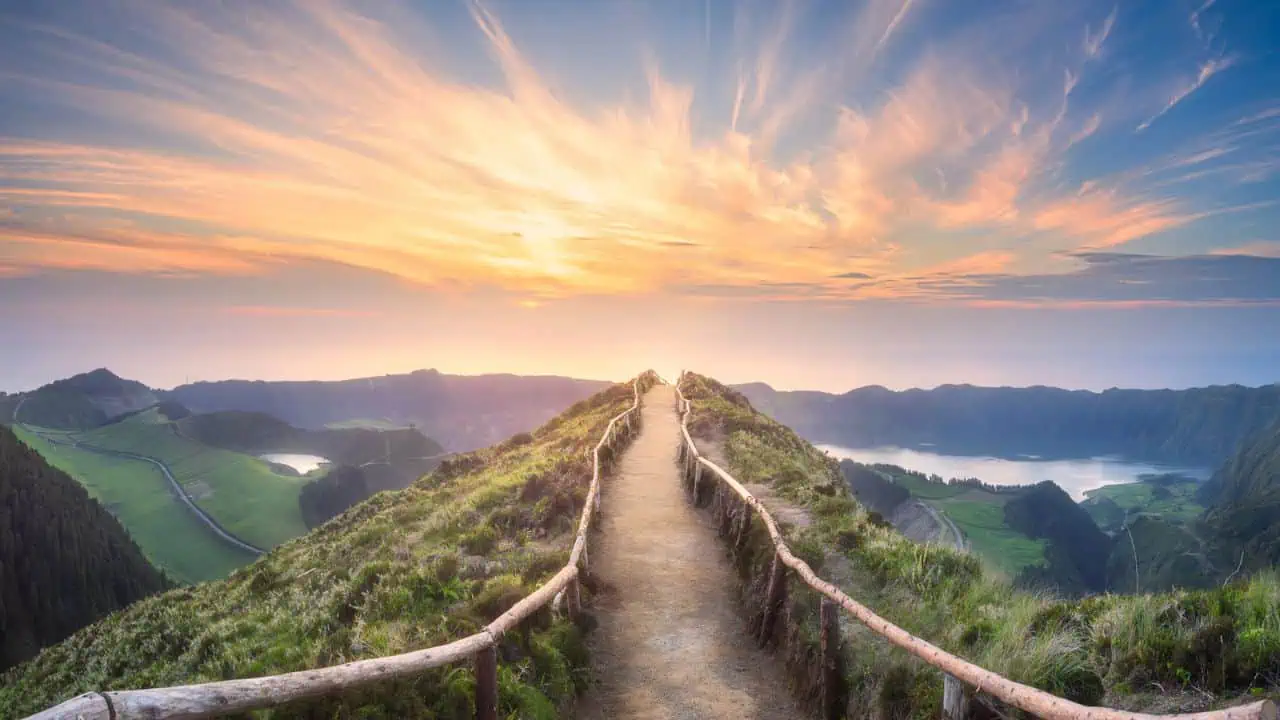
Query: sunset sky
point(812, 194)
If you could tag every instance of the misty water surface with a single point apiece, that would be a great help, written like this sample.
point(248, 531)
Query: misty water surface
point(1076, 476)
point(298, 461)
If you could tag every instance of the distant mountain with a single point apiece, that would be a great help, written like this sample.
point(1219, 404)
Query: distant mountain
point(461, 412)
point(80, 402)
point(1201, 426)
point(64, 560)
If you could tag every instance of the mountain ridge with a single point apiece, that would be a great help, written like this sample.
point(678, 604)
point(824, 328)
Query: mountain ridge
point(1198, 425)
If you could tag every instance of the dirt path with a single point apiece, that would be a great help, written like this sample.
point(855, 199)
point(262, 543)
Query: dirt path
point(670, 644)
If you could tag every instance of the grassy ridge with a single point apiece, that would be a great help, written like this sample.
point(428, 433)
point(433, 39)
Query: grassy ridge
point(239, 491)
point(1165, 651)
point(139, 496)
point(401, 571)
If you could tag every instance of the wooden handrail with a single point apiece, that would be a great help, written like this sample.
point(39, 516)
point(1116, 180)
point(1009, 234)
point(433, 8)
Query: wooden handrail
point(1033, 700)
point(207, 700)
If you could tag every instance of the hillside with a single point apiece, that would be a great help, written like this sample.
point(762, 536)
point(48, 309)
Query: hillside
point(80, 402)
point(1202, 647)
point(240, 492)
point(391, 458)
point(1076, 550)
point(1200, 426)
point(461, 412)
point(64, 561)
point(138, 495)
point(1244, 499)
point(403, 570)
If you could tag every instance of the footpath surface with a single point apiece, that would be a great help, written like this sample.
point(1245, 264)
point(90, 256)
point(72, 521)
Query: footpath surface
point(670, 644)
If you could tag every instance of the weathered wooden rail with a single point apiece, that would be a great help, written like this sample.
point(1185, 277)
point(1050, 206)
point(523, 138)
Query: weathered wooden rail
point(961, 678)
point(208, 700)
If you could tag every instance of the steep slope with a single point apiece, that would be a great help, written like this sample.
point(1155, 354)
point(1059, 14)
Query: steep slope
point(1076, 550)
point(1224, 641)
point(462, 412)
point(83, 401)
point(1244, 516)
point(1197, 426)
point(241, 493)
point(403, 570)
point(64, 561)
point(327, 497)
point(137, 493)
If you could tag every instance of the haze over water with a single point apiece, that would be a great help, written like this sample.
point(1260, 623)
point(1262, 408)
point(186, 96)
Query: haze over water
point(1077, 476)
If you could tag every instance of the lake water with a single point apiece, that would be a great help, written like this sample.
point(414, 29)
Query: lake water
point(1076, 476)
point(298, 461)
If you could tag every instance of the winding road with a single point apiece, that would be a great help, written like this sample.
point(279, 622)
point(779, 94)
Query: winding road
point(942, 519)
point(174, 485)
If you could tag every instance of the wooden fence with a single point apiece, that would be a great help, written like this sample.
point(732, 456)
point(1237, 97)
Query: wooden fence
point(207, 700)
point(961, 678)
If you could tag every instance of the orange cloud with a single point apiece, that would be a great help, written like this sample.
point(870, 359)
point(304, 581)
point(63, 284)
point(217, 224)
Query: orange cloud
point(331, 139)
point(1103, 220)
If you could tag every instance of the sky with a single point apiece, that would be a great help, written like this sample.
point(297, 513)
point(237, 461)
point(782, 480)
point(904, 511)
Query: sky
point(818, 195)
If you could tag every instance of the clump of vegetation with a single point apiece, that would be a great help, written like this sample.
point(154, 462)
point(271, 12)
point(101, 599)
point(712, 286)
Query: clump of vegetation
point(400, 571)
point(64, 560)
point(1103, 648)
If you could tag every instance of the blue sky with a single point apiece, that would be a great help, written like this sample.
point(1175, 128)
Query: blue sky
point(898, 192)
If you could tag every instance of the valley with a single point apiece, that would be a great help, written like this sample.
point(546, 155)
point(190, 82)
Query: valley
point(138, 495)
point(992, 565)
point(204, 493)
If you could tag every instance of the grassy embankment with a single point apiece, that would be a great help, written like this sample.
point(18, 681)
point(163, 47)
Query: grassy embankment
point(139, 496)
point(239, 491)
point(979, 514)
point(403, 570)
point(1167, 651)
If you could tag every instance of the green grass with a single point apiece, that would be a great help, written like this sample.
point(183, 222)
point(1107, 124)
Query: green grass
point(980, 516)
point(983, 525)
point(926, 490)
point(139, 496)
point(240, 491)
point(392, 574)
point(1174, 501)
point(1225, 642)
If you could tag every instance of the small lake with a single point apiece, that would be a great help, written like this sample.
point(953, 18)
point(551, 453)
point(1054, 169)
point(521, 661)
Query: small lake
point(1076, 476)
point(298, 461)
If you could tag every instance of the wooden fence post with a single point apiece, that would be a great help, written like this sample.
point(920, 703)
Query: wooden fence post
point(743, 524)
point(955, 699)
point(697, 475)
point(773, 598)
point(487, 684)
point(726, 511)
point(832, 673)
point(574, 597)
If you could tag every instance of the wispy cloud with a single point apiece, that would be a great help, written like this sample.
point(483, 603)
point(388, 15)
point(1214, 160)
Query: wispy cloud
point(1093, 41)
point(1207, 70)
point(314, 132)
point(1196, 14)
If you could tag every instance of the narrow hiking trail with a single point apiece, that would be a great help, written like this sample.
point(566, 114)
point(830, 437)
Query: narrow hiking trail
point(670, 644)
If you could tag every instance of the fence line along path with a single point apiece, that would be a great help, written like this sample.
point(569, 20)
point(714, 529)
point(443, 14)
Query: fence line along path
point(670, 642)
point(215, 699)
point(962, 678)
